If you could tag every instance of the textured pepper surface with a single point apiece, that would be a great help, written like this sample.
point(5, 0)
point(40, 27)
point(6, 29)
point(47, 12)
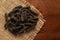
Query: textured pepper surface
point(21, 20)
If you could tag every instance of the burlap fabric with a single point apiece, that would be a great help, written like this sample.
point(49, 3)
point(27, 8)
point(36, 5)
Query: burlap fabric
point(8, 5)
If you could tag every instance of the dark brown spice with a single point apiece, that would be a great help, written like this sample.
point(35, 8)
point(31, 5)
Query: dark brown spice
point(22, 19)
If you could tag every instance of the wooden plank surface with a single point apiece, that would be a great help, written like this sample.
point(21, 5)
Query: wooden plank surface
point(51, 12)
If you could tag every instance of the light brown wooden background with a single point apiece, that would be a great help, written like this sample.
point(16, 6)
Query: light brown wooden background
point(51, 12)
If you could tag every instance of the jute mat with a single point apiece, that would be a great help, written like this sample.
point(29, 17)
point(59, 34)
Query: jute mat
point(8, 5)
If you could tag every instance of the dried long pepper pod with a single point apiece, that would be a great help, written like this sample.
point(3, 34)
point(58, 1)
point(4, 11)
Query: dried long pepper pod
point(21, 20)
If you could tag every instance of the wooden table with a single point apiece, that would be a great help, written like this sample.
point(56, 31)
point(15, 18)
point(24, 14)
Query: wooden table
point(51, 12)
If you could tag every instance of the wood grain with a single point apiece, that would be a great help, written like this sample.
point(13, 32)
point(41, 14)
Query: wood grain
point(51, 12)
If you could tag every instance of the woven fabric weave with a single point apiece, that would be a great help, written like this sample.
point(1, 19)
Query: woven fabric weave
point(5, 7)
